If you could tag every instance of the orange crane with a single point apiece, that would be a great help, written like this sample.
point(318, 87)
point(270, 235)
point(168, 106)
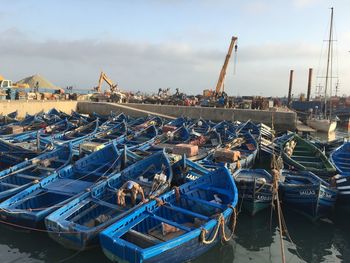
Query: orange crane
point(219, 86)
point(103, 77)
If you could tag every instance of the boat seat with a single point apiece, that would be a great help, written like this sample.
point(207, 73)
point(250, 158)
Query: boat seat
point(8, 185)
point(185, 211)
point(198, 200)
point(68, 186)
point(169, 222)
point(49, 169)
point(112, 206)
point(145, 239)
point(157, 233)
point(215, 189)
point(30, 177)
point(312, 164)
point(306, 157)
point(60, 161)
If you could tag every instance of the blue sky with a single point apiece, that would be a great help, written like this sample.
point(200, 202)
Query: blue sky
point(146, 45)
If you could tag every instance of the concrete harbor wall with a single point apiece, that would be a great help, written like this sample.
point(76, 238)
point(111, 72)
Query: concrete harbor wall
point(283, 120)
point(35, 106)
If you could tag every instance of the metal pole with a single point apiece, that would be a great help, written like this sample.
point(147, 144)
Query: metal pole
point(290, 86)
point(309, 85)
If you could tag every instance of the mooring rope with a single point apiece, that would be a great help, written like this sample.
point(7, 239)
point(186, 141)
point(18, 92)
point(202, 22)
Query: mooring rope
point(220, 226)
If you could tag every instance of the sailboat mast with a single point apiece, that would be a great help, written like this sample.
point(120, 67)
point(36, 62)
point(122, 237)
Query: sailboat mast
point(328, 62)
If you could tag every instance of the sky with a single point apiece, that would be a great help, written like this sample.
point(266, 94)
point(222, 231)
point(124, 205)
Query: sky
point(151, 44)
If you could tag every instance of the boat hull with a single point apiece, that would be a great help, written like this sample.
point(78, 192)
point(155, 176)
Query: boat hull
point(314, 202)
point(182, 253)
point(323, 125)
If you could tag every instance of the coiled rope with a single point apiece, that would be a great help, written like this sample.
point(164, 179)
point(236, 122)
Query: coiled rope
point(220, 226)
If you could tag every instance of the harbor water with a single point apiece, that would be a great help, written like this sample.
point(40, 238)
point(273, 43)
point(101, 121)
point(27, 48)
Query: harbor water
point(256, 240)
point(324, 241)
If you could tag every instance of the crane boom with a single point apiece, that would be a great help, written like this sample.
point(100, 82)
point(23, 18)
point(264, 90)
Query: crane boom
point(222, 75)
point(103, 77)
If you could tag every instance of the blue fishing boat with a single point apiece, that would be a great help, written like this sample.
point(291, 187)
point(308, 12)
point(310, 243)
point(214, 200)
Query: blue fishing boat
point(254, 189)
point(227, 130)
point(181, 226)
point(200, 126)
point(299, 154)
point(306, 193)
point(32, 171)
point(240, 152)
point(251, 127)
point(207, 143)
point(170, 138)
point(33, 204)
point(9, 118)
point(117, 133)
point(139, 138)
point(78, 223)
point(73, 136)
point(343, 186)
point(150, 121)
point(340, 158)
point(11, 155)
point(30, 122)
point(32, 136)
point(173, 124)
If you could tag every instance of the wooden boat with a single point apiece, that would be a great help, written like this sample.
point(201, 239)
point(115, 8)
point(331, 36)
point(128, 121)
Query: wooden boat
point(173, 124)
point(200, 126)
point(11, 155)
point(322, 124)
point(254, 189)
point(149, 121)
point(29, 139)
point(33, 204)
point(328, 146)
point(30, 122)
point(102, 138)
point(175, 228)
point(32, 171)
point(186, 170)
point(74, 136)
point(251, 127)
point(171, 138)
point(227, 130)
point(240, 152)
point(112, 116)
point(9, 118)
point(307, 194)
point(207, 143)
point(342, 183)
point(304, 156)
point(139, 138)
point(341, 159)
point(90, 213)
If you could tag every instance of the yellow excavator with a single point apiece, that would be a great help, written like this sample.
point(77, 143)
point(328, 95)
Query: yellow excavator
point(113, 95)
point(103, 77)
point(220, 90)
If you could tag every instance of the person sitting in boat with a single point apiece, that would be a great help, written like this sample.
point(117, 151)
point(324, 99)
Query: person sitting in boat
point(132, 188)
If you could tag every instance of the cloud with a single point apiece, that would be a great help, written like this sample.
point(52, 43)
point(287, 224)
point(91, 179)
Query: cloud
point(261, 69)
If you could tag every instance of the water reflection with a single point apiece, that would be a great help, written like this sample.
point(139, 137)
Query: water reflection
point(313, 240)
point(25, 246)
point(221, 253)
point(254, 233)
point(324, 241)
